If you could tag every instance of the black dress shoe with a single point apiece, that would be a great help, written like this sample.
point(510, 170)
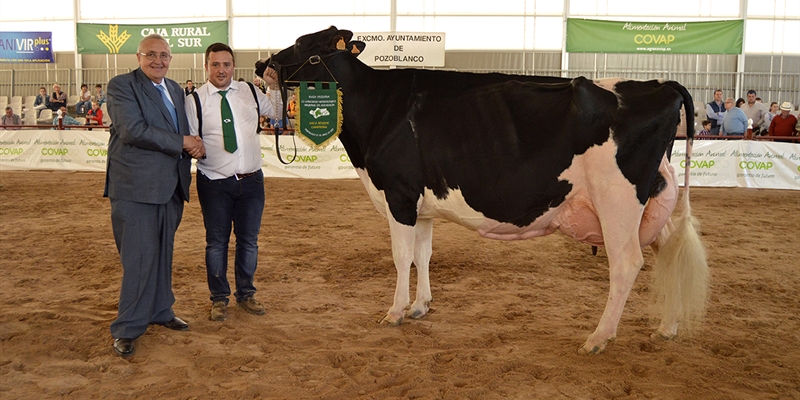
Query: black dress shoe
point(123, 347)
point(177, 324)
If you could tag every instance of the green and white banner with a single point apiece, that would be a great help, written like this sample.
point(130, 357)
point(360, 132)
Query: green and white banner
point(124, 39)
point(714, 37)
point(319, 113)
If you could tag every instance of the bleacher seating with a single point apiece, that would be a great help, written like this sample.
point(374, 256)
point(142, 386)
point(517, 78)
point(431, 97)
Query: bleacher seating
point(72, 101)
point(45, 117)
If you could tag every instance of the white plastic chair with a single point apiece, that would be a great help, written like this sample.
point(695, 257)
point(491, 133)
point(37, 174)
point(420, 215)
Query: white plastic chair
point(106, 117)
point(45, 117)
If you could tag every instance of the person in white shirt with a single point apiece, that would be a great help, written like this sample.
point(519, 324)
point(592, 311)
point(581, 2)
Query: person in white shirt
point(230, 183)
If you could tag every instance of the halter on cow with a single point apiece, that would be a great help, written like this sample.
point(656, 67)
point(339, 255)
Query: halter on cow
point(515, 157)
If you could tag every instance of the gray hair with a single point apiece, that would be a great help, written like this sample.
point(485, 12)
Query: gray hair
point(149, 37)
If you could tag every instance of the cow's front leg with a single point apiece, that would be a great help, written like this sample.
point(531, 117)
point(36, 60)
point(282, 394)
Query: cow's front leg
point(403, 254)
point(422, 258)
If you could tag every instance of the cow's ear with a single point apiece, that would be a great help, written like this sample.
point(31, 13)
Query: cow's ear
point(355, 47)
point(341, 35)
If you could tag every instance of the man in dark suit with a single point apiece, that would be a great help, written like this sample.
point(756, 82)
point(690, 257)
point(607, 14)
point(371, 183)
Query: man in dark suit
point(147, 181)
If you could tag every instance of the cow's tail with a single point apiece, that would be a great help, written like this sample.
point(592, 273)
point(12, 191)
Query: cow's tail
point(681, 276)
point(688, 106)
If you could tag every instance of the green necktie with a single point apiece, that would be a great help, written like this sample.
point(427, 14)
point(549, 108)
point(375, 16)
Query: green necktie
point(228, 133)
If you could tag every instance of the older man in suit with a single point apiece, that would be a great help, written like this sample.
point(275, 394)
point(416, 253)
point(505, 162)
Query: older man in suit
point(147, 180)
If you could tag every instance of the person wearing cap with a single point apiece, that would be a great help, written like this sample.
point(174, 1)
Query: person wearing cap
point(755, 110)
point(784, 124)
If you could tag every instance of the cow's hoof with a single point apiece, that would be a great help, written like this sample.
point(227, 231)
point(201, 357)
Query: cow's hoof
point(391, 320)
point(418, 310)
point(659, 336)
point(591, 349)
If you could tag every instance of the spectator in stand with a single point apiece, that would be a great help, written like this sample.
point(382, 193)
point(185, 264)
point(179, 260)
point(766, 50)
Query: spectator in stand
point(42, 101)
point(85, 101)
point(189, 87)
point(739, 102)
point(735, 122)
point(9, 118)
point(755, 110)
point(99, 96)
point(784, 124)
point(68, 120)
point(715, 110)
point(706, 130)
point(95, 115)
point(260, 84)
point(773, 111)
point(58, 99)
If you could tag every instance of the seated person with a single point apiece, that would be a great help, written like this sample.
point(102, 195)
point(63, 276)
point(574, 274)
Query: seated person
point(85, 101)
point(706, 129)
point(95, 115)
point(9, 118)
point(99, 96)
point(58, 99)
point(68, 120)
point(42, 101)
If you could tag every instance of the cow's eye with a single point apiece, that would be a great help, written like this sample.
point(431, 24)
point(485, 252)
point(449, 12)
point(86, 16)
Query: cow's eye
point(297, 44)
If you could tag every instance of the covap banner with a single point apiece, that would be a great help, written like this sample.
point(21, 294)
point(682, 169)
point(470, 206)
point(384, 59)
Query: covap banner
point(26, 47)
point(714, 37)
point(124, 39)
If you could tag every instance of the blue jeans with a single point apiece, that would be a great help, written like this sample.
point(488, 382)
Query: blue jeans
point(240, 203)
point(82, 107)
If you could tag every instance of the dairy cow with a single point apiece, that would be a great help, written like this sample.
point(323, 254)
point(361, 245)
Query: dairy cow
point(515, 157)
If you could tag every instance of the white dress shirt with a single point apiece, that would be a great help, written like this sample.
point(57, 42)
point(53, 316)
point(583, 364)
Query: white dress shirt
point(220, 164)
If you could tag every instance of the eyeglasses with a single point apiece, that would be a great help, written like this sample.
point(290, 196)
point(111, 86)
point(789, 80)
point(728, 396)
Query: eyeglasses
point(152, 56)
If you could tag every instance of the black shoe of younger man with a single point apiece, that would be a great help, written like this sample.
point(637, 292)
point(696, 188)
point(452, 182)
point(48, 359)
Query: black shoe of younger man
point(176, 324)
point(123, 347)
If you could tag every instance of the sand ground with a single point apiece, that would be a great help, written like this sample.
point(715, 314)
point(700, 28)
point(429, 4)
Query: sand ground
point(506, 320)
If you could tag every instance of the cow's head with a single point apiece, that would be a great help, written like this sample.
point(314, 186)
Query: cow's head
point(305, 59)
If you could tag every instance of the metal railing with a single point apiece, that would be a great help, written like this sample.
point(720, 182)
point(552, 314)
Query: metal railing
point(778, 87)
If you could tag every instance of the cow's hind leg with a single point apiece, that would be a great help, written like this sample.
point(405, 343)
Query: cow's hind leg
point(403, 254)
point(422, 258)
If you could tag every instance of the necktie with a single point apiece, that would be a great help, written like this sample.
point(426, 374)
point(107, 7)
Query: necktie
point(228, 133)
point(169, 106)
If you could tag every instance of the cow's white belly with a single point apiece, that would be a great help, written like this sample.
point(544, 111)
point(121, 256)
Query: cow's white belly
point(575, 217)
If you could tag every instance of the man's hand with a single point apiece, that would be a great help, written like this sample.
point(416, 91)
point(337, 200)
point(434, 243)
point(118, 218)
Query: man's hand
point(271, 78)
point(193, 145)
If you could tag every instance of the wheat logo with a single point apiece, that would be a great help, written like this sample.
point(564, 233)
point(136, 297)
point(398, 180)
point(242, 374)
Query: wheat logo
point(113, 40)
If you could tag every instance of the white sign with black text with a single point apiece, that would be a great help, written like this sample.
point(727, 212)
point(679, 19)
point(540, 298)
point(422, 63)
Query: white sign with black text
point(402, 49)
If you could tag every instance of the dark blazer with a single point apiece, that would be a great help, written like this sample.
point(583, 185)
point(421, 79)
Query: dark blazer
point(145, 154)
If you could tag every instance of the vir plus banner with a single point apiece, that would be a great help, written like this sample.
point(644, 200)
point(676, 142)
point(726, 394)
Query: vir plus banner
point(124, 39)
point(739, 163)
point(26, 47)
point(712, 37)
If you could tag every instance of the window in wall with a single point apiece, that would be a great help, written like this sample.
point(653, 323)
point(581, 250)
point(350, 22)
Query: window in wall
point(275, 33)
point(460, 7)
point(310, 7)
point(43, 10)
point(774, 8)
point(152, 10)
point(470, 33)
point(671, 8)
point(772, 37)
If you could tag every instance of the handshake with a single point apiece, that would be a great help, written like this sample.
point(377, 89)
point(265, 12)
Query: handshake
point(193, 145)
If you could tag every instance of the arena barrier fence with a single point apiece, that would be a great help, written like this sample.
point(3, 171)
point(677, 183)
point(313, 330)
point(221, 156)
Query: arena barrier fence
point(715, 163)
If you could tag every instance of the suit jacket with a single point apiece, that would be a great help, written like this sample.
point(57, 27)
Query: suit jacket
point(146, 162)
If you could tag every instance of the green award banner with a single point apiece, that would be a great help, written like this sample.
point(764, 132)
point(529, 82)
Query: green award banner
point(124, 39)
point(319, 113)
point(713, 37)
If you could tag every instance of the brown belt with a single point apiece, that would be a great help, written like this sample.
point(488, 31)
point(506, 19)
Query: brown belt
point(239, 177)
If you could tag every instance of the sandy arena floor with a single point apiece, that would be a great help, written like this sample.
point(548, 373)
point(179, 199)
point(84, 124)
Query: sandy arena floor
point(507, 317)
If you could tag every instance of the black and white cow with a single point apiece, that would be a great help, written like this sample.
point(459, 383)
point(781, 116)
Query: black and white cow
point(515, 157)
